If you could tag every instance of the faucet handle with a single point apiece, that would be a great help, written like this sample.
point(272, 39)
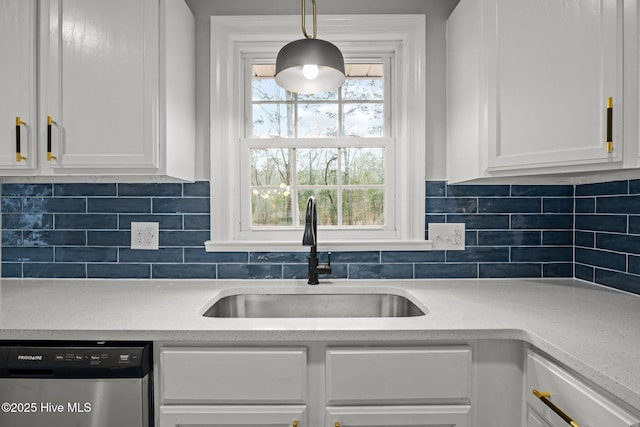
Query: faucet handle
point(325, 268)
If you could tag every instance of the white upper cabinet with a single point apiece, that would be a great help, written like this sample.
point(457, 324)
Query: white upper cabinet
point(116, 88)
point(18, 86)
point(632, 79)
point(529, 86)
point(98, 82)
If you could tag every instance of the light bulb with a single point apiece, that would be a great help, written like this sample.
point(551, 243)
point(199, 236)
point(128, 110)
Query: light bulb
point(310, 71)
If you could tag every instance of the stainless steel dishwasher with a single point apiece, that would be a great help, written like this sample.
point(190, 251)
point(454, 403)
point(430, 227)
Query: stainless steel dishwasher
point(75, 384)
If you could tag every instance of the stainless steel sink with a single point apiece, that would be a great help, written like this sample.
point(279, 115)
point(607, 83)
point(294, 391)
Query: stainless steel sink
point(313, 305)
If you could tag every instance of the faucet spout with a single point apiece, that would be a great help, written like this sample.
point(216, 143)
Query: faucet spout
point(310, 224)
point(310, 238)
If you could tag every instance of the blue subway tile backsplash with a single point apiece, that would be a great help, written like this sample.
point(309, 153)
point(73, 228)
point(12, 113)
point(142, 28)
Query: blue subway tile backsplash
point(594, 222)
point(603, 188)
point(563, 191)
point(607, 234)
point(446, 271)
point(507, 270)
point(82, 230)
point(634, 264)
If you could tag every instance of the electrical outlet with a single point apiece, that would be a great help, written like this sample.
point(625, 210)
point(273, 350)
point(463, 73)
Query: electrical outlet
point(144, 235)
point(447, 237)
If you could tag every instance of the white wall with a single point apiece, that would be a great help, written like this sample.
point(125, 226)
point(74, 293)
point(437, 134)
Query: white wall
point(436, 12)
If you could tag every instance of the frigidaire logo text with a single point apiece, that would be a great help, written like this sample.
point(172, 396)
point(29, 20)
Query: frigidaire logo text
point(29, 357)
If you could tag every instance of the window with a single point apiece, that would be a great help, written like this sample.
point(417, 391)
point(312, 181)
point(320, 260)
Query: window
point(359, 149)
point(330, 145)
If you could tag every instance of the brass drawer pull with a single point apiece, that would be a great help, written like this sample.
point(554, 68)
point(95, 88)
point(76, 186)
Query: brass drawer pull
point(544, 397)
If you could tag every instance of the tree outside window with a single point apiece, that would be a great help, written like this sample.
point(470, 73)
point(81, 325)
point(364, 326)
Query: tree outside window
point(347, 180)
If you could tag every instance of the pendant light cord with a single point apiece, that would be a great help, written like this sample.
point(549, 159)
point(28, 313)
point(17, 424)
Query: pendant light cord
point(315, 25)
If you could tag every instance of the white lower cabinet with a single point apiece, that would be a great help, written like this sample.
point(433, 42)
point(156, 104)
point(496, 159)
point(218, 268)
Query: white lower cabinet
point(574, 397)
point(314, 386)
point(535, 420)
point(336, 385)
point(272, 416)
point(412, 375)
point(233, 386)
point(419, 416)
point(412, 386)
point(234, 376)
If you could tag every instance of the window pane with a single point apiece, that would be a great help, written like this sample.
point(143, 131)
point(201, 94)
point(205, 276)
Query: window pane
point(360, 102)
point(351, 179)
point(271, 207)
point(324, 96)
point(317, 166)
point(266, 89)
point(273, 120)
point(363, 89)
point(364, 120)
point(326, 206)
point(270, 167)
point(363, 166)
point(317, 120)
point(363, 207)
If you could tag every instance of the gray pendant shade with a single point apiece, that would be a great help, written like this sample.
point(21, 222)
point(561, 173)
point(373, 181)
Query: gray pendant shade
point(293, 56)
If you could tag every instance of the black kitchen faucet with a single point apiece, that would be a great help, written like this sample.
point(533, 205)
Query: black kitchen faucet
point(310, 238)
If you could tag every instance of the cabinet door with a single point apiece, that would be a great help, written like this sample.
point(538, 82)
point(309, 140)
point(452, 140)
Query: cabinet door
point(574, 397)
point(410, 375)
point(233, 376)
point(211, 416)
point(552, 67)
point(99, 74)
point(406, 416)
point(534, 420)
point(17, 85)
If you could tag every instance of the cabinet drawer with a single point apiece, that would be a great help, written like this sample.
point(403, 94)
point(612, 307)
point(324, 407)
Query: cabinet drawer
point(405, 416)
point(578, 400)
point(412, 375)
point(225, 416)
point(233, 375)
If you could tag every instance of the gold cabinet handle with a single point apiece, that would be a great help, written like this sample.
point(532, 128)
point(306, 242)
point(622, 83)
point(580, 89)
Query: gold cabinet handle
point(544, 397)
point(610, 125)
point(50, 155)
point(336, 424)
point(19, 157)
point(294, 423)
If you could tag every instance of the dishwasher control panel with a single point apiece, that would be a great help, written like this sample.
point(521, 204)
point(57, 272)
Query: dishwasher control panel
point(70, 361)
point(38, 356)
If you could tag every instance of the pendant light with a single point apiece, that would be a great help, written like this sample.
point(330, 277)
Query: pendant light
point(309, 65)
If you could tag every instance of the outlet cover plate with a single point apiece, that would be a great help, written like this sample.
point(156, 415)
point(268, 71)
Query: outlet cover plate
point(447, 237)
point(144, 235)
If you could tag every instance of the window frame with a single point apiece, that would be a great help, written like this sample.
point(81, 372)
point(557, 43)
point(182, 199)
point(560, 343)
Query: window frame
point(387, 142)
point(359, 36)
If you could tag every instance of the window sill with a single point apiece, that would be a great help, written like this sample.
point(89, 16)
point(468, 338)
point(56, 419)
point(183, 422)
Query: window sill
point(364, 245)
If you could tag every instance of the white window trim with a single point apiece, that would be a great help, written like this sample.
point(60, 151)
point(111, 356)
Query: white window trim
point(233, 35)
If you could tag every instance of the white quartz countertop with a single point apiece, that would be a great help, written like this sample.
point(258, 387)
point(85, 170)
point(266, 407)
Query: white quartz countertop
point(591, 329)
